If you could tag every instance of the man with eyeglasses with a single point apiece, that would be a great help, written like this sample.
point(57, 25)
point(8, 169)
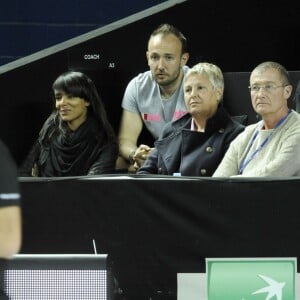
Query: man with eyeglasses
point(270, 147)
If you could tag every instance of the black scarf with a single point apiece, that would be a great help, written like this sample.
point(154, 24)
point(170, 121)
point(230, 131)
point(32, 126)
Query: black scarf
point(70, 153)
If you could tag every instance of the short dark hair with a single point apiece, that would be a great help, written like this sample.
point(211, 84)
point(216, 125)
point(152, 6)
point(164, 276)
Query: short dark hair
point(165, 29)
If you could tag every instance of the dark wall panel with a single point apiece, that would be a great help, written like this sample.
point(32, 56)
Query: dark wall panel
point(155, 227)
point(72, 17)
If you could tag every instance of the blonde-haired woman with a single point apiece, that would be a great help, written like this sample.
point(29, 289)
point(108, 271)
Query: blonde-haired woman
point(195, 144)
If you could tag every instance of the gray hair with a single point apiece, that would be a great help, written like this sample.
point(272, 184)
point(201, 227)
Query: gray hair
point(213, 73)
point(276, 66)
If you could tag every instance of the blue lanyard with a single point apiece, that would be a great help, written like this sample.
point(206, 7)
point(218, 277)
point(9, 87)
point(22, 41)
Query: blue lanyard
point(246, 162)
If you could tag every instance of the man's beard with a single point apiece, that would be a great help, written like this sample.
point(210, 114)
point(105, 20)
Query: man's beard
point(169, 81)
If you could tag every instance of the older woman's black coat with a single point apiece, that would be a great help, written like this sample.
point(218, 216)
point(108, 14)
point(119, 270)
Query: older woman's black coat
point(192, 153)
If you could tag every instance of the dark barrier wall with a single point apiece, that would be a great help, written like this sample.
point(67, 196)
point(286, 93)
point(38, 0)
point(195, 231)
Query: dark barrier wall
point(30, 26)
point(236, 36)
point(154, 227)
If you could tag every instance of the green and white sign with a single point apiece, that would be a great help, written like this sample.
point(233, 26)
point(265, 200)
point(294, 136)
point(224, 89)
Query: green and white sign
point(251, 278)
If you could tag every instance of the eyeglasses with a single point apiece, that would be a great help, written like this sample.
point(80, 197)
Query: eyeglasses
point(267, 87)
